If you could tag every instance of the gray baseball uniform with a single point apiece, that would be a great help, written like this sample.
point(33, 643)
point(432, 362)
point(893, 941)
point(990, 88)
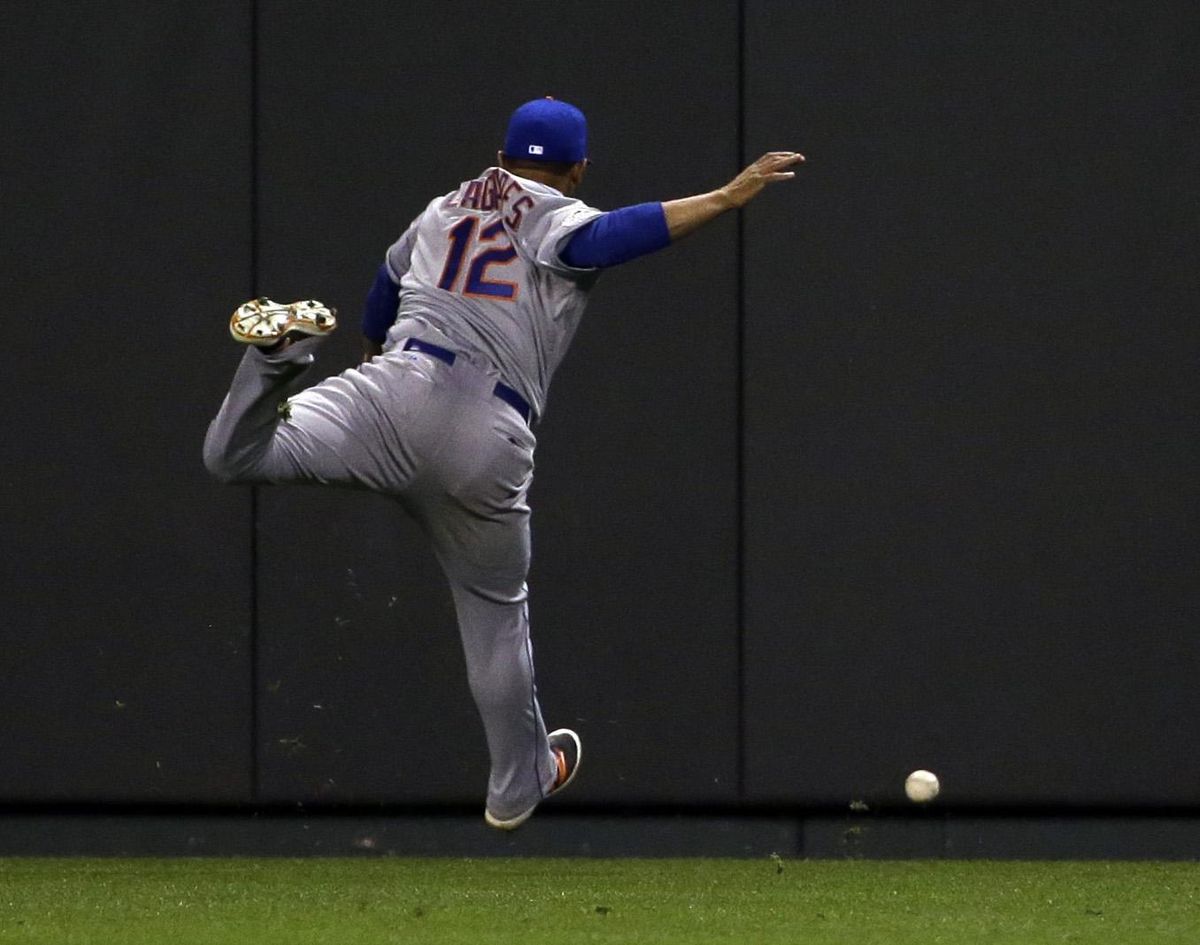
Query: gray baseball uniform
point(488, 302)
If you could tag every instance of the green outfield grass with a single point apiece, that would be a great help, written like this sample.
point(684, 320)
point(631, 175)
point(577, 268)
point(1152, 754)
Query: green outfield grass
point(261, 901)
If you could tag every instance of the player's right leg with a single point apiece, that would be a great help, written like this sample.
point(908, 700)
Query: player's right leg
point(478, 520)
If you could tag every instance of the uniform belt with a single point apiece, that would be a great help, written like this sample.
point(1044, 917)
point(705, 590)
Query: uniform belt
point(501, 390)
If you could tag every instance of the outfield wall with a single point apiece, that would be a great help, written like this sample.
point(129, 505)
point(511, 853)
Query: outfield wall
point(897, 470)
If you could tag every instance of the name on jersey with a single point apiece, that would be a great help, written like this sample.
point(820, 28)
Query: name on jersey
point(496, 190)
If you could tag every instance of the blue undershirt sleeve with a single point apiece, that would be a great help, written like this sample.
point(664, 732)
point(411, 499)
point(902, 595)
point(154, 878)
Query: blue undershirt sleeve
point(617, 237)
point(382, 303)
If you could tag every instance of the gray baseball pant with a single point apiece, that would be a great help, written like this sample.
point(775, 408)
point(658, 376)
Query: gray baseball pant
point(458, 459)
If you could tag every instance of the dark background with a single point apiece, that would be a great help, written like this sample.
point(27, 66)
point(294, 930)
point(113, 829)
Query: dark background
point(895, 470)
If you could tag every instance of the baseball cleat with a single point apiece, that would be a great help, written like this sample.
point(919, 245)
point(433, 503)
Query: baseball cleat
point(568, 750)
point(263, 323)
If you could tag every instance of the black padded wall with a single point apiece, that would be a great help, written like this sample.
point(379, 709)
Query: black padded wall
point(125, 607)
point(970, 440)
point(960, 532)
point(633, 586)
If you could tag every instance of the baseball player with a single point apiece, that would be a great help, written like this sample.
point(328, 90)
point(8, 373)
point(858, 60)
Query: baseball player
point(470, 315)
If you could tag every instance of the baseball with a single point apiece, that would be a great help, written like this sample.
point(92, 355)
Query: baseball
point(921, 786)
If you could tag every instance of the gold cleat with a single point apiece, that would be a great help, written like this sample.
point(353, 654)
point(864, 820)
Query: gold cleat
point(263, 323)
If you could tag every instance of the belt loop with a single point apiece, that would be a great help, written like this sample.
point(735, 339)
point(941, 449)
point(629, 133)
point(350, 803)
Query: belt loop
point(514, 400)
point(425, 347)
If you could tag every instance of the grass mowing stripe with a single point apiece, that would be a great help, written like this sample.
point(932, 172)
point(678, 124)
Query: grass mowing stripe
point(498, 901)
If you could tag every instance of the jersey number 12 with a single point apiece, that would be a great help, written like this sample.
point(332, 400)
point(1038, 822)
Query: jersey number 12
point(500, 253)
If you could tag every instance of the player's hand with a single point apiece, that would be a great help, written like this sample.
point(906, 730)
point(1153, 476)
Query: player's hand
point(688, 214)
point(771, 167)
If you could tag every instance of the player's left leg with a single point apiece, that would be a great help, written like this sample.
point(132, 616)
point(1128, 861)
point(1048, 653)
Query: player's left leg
point(241, 444)
point(348, 430)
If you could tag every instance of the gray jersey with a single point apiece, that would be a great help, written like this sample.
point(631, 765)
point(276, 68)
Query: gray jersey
point(481, 266)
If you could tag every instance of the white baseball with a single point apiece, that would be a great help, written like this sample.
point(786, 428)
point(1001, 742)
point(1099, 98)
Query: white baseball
point(921, 786)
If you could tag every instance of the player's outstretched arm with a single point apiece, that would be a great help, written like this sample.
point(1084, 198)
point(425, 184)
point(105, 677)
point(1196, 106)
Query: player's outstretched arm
point(690, 213)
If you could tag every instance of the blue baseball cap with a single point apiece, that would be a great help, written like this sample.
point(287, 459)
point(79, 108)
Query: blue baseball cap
point(547, 130)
